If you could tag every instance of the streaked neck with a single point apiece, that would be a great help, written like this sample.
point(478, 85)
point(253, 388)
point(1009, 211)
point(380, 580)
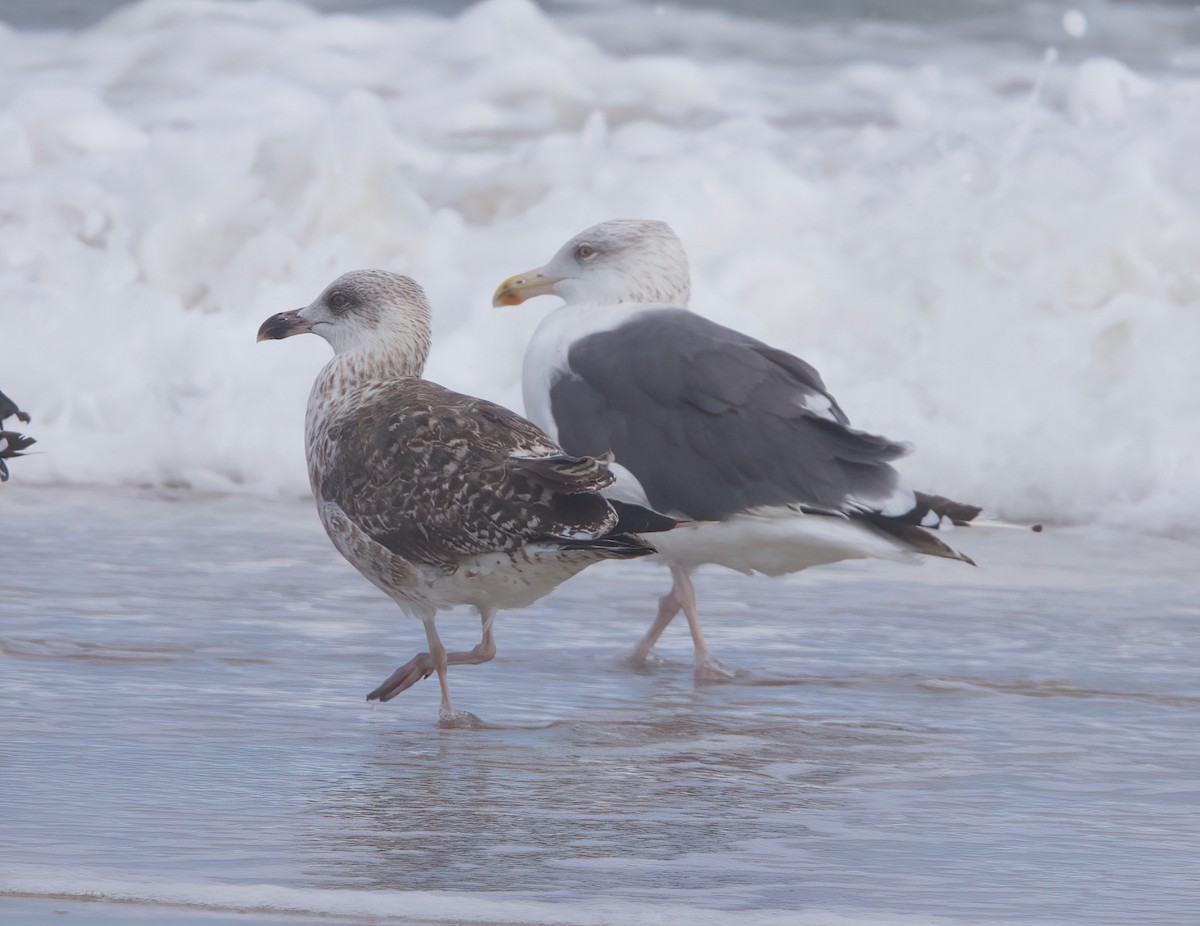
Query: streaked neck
point(351, 371)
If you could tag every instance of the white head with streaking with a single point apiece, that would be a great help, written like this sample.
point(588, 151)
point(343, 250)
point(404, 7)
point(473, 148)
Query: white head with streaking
point(619, 261)
point(370, 313)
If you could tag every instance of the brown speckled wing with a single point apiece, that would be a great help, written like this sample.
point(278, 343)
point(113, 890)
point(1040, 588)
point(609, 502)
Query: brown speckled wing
point(436, 476)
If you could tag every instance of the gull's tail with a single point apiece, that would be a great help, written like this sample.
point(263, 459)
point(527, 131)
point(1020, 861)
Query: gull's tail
point(931, 513)
point(624, 540)
point(638, 519)
point(612, 546)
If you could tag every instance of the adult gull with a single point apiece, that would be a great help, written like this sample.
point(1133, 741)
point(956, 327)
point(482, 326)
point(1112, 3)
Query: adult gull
point(440, 499)
point(709, 425)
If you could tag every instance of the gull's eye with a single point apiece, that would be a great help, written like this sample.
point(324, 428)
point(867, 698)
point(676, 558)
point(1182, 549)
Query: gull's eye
point(584, 251)
point(339, 301)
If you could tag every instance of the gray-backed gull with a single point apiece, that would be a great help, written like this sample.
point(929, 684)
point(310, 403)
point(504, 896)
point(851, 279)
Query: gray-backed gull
point(440, 499)
point(708, 424)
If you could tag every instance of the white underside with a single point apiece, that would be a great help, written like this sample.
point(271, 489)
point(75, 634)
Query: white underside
point(490, 582)
point(499, 581)
point(774, 541)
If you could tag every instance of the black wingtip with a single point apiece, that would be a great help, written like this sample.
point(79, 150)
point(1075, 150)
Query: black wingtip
point(960, 513)
point(612, 546)
point(11, 445)
point(914, 536)
point(630, 546)
point(636, 519)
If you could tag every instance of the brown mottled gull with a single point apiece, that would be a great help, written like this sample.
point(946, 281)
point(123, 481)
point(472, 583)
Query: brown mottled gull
point(440, 499)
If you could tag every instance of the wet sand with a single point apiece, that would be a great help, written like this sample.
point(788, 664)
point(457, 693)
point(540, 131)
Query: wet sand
point(184, 726)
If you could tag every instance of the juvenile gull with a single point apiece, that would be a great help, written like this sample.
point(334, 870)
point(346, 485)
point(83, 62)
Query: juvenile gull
point(438, 498)
point(707, 424)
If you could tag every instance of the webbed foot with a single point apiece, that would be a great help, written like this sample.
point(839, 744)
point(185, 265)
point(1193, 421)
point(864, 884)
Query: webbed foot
point(710, 672)
point(642, 659)
point(419, 667)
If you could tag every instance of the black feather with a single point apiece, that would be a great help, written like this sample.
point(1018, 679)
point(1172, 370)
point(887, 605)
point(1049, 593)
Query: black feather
point(8, 408)
point(634, 519)
point(11, 445)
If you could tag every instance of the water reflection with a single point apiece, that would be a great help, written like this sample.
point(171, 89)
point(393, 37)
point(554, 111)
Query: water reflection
point(570, 805)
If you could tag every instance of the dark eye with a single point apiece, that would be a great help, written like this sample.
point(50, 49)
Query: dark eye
point(339, 301)
point(584, 251)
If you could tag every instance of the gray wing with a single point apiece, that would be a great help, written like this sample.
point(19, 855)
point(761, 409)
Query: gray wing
point(712, 421)
point(436, 476)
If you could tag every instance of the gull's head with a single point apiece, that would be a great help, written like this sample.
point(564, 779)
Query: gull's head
point(365, 310)
point(623, 260)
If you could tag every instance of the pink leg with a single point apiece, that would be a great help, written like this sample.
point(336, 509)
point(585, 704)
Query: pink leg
point(483, 651)
point(419, 667)
point(707, 667)
point(668, 607)
point(447, 715)
point(438, 653)
point(424, 665)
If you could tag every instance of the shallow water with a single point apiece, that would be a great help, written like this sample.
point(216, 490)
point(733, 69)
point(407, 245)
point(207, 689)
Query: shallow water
point(978, 220)
point(184, 725)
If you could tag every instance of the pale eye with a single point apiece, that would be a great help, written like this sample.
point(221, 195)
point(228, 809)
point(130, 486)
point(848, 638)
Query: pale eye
point(339, 302)
point(584, 251)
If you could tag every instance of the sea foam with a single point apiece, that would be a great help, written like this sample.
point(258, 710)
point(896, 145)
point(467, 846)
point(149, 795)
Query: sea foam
point(987, 251)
